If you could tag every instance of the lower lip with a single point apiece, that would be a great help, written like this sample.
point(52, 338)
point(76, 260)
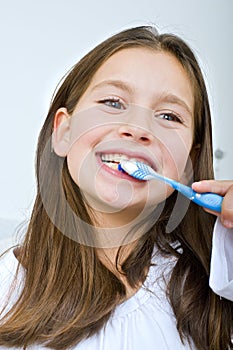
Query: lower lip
point(118, 173)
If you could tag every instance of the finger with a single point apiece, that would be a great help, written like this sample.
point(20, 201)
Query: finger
point(216, 186)
point(227, 208)
point(224, 188)
point(216, 213)
point(226, 215)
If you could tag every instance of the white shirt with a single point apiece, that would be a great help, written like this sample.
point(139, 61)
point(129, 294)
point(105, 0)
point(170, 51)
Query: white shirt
point(146, 320)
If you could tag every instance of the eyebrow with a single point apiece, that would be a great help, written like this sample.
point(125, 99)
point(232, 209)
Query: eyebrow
point(164, 97)
point(174, 99)
point(116, 83)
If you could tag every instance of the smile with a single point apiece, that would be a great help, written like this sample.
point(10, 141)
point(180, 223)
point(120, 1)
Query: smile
point(113, 159)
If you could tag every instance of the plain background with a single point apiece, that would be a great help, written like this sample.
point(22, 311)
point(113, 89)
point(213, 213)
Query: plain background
point(41, 40)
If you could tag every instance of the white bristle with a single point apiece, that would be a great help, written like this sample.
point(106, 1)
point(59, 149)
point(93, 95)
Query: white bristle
point(129, 167)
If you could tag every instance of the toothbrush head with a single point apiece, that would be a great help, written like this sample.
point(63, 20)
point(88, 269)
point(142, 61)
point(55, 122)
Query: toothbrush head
point(120, 168)
point(137, 170)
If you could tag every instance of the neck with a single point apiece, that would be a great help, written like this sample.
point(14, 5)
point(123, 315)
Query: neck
point(109, 258)
point(120, 228)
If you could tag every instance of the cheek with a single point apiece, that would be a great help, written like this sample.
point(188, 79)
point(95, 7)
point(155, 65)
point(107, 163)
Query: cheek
point(176, 152)
point(79, 152)
point(81, 159)
point(74, 161)
point(88, 123)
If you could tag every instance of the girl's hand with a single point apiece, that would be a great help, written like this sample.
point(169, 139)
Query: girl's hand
point(225, 189)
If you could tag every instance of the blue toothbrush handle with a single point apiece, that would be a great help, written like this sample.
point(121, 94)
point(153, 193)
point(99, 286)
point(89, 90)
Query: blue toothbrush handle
point(208, 200)
point(141, 171)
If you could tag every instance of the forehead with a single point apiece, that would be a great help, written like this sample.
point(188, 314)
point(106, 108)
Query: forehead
point(143, 59)
point(147, 70)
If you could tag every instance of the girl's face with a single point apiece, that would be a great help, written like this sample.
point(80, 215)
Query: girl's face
point(139, 105)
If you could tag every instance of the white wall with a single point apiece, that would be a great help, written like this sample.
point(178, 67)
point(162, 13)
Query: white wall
point(40, 40)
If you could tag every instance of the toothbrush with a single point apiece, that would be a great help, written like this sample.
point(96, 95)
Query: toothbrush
point(142, 171)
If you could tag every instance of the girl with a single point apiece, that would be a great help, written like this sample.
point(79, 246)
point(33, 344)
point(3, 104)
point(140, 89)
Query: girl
point(109, 261)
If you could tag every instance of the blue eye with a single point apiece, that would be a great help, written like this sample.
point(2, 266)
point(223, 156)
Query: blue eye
point(113, 103)
point(171, 117)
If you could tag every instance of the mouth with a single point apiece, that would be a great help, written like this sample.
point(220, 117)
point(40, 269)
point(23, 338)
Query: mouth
point(112, 160)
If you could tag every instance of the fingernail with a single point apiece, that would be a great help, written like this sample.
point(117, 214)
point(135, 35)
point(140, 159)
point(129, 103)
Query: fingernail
point(227, 223)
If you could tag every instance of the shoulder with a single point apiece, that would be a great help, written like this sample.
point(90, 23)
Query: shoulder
point(221, 268)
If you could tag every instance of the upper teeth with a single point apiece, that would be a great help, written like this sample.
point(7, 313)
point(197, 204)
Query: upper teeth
point(118, 158)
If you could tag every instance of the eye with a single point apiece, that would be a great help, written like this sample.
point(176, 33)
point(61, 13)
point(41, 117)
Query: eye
point(113, 103)
point(170, 117)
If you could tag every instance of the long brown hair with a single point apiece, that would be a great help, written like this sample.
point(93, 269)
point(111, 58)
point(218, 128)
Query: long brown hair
point(68, 294)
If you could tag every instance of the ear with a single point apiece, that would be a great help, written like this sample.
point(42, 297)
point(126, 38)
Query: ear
point(61, 132)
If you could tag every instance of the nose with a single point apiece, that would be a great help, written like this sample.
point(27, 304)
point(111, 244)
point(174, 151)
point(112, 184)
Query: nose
point(135, 133)
point(136, 125)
